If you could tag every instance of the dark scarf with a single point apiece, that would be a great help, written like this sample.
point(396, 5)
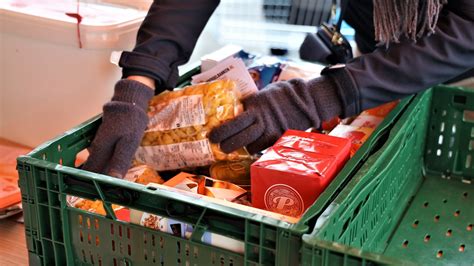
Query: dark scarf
point(394, 19)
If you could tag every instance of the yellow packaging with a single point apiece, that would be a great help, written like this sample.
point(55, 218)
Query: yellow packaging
point(180, 122)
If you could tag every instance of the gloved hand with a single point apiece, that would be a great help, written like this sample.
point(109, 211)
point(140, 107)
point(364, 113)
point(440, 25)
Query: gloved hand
point(123, 124)
point(293, 104)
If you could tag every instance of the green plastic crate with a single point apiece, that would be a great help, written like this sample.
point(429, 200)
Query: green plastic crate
point(412, 201)
point(58, 234)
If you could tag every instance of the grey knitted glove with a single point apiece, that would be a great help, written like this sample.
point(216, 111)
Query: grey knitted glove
point(293, 104)
point(123, 124)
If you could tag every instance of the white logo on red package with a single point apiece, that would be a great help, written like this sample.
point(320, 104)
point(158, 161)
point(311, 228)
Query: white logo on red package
point(284, 199)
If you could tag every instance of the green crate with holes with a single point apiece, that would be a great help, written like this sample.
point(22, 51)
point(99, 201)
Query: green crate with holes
point(413, 200)
point(58, 234)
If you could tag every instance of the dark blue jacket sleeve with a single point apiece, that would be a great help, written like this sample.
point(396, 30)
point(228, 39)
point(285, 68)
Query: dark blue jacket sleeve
point(408, 67)
point(166, 39)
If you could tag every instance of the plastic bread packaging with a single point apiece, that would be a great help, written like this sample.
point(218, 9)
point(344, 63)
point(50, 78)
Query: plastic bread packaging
point(180, 121)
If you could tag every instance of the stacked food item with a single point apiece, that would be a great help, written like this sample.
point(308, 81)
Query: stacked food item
point(280, 183)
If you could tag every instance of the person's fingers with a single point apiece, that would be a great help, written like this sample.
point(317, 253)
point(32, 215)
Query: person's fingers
point(262, 143)
point(100, 152)
point(231, 127)
point(122, 156)
point(242, 138)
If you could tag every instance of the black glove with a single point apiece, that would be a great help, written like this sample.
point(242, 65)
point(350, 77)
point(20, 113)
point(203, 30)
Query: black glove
point(293, 104)
point(123, 124)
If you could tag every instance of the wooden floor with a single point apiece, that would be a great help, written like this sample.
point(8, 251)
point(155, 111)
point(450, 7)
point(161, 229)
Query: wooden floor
point(12, 236)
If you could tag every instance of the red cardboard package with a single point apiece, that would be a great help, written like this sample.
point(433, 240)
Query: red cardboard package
point(291, 175)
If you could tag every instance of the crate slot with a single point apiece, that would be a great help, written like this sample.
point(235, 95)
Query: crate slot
point(461, 99)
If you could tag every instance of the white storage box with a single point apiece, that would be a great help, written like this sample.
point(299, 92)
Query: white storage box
point(49, 84)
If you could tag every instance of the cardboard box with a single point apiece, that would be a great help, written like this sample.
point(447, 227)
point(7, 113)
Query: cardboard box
point(291, 175)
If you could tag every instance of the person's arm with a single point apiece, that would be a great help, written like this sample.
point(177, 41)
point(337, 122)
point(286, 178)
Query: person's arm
point(407, 68)
point(166, 40)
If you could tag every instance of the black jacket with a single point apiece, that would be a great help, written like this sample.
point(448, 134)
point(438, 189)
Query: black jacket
point(169, 33)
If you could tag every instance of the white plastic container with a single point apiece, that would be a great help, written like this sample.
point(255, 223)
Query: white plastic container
point(49, 84)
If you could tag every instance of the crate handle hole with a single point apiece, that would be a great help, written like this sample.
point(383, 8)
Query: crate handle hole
point(461, 99)
point(439, 254)
point(462, 247)
point(468, 161)
point(449, 233)
point(427, 238)
point(405, 243)
point(81, 157)
point(96, 224)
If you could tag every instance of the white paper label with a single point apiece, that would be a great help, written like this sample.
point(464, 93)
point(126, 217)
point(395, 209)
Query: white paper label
point(181, 112)
point(233, 69)
point(176, 156)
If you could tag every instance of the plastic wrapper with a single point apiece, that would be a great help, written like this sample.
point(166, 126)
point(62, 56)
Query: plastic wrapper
point(357, 135)
point(303, 70)
point(180, 121)
point(141, 174)
point(291, 175)
point(236, 172)
point(265, 74)
point(206, 186)
point(364, 120)
point(381, 110)
point(203, 186)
